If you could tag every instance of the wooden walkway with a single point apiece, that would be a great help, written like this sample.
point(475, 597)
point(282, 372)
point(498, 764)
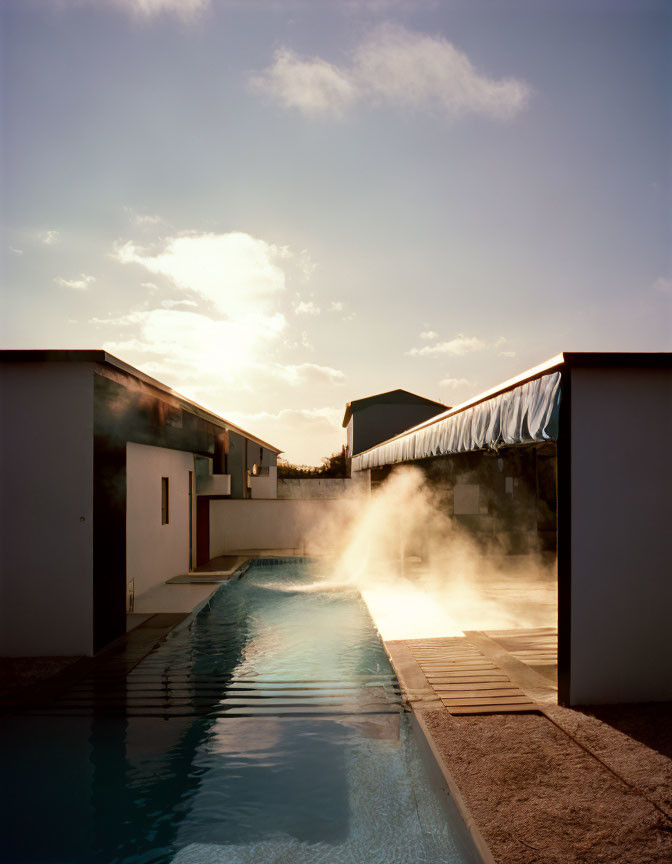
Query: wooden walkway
point(535, 647)
point(465, 680)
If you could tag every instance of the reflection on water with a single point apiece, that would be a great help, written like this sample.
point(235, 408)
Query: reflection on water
point(270, 730)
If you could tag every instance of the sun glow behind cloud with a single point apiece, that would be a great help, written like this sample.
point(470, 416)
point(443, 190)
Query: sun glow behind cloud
point(216, 324)
point(238, 273)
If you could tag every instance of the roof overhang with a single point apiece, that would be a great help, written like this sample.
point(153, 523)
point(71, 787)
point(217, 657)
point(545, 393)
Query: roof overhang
point(113, 367)
point(563, 361)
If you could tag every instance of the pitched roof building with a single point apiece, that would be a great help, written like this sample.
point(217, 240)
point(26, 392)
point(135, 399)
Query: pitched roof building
point(376, 418)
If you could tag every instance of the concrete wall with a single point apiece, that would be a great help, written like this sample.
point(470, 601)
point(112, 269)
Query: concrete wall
point(378, 422)
point(621, 554)
point(322, 487)
point(46, 509)
point(156, 552)
point(301, 525)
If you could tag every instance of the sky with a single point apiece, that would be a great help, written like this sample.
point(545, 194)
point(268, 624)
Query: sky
point(279, 206)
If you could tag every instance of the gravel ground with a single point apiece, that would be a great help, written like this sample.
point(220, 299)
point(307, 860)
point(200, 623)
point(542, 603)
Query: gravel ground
point(539, 797)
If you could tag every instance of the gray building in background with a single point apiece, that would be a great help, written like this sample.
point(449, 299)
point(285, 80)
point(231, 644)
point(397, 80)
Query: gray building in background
point(377, 418)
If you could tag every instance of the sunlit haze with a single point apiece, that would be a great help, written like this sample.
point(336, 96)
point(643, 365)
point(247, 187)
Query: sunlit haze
point(279, 206)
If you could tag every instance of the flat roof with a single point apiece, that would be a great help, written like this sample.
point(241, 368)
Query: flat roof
point(390, 397)
point(106, 359)
point(567, 360)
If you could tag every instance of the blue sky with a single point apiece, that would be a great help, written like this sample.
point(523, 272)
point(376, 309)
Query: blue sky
point(277, 207)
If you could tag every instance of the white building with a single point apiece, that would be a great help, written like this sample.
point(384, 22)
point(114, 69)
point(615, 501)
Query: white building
point(107, 479)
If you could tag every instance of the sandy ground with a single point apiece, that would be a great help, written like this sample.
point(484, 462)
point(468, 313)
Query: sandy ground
point(538, 796)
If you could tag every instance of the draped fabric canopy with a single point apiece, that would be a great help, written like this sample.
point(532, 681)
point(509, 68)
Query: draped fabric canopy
point(524, 415)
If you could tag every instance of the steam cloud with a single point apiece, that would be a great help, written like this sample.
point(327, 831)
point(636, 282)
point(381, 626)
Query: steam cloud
point(422, 573)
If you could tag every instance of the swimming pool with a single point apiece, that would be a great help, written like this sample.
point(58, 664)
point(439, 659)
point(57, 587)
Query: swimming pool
point(270, 730)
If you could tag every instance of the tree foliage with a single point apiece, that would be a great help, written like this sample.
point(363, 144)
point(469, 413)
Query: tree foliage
point(332, 466)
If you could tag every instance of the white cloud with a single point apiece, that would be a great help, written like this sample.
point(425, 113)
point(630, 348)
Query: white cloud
point(304, 307)
point(49, 237)
point(205, 354)
point(306, 373)
point(80, 284)
point(238, 342)
point(396, 67)
point(454, 383)
point(461, 344)
point(172, 304)
point(663, 285)
point(142, 219)
point(238, 273)
point(408, 69)
point(429, 335)
point(16, 251)
point(312, 87)
point(336, 306)
point(235, 343)
point(500, 344)
point(243, 278)
point(191, 348)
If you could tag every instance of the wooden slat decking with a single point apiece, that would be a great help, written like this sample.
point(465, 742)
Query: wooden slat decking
point(535, 647)
point(465, 680)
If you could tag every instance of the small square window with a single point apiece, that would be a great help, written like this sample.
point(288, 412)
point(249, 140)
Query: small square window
point(165, 506)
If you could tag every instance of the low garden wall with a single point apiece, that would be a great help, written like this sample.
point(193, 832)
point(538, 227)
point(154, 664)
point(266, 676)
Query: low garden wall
point(305, 526)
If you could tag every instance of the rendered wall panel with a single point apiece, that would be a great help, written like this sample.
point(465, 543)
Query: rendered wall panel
point(621, 554)
point(156, 552)
point(46, 517)
point(273, 524)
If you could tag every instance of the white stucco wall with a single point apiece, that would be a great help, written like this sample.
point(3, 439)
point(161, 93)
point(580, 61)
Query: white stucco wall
point(265, 486)
point(46, 509)
point(300, 524)
point(156, 552)
point(621, 587)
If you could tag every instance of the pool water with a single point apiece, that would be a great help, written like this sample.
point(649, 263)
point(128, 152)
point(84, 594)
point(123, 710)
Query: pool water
point(270, 730)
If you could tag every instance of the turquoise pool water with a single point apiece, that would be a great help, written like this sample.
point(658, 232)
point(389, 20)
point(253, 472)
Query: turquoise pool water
point(270, 730)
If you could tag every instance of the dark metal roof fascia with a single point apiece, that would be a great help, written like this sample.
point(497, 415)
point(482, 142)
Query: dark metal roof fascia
point(104, 358)
point(512, 383)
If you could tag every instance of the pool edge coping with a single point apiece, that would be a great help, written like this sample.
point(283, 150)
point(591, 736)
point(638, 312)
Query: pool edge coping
point(463, 809)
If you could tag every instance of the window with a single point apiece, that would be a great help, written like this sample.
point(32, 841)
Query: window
point(165, 492)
